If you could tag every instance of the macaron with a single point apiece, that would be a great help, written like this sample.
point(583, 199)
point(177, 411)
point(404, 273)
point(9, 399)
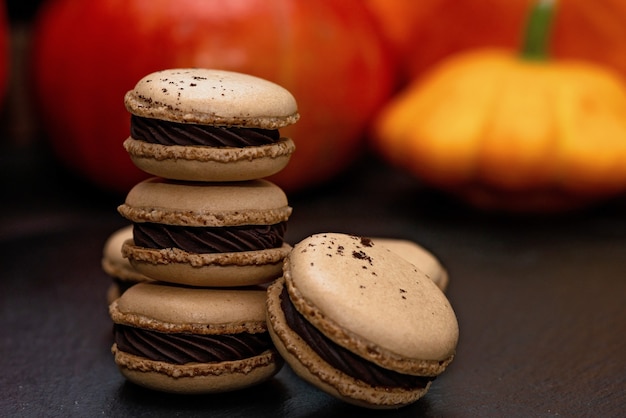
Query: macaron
point(209, 125)
point(115, 265)
point(420, 257)
point(360, 322)
point(192, 340)
point(207, 234)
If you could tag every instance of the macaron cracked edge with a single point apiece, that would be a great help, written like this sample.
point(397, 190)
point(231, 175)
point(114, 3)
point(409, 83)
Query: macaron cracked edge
point(348, 298)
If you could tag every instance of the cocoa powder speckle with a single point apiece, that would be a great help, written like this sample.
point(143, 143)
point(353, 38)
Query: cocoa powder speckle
point(362, 256)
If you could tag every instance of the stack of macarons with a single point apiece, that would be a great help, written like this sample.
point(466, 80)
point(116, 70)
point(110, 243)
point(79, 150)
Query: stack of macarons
point(208, 297)
point(207, 230)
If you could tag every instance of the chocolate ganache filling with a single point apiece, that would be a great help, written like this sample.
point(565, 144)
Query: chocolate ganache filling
point(342, 359)
point(164, 132)
point(181, 348)
point(205, 240)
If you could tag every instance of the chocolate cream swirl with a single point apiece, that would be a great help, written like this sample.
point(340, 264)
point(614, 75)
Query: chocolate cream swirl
point(207, 240)
point(343, 359)
point(179, 348)
point(164, 132)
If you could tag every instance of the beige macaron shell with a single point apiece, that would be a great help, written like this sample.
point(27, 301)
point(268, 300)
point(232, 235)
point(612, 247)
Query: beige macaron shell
point(254, 202)
point(198, 378)
point(418, 256)
point(114, 263)
point(206, 96)
point(374, 295)
point(174, 265)
point(166, 308)
point(198, 163)
point(307, 364)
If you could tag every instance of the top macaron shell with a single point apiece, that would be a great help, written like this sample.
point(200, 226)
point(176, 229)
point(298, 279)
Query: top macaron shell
point(254, 202)
point(213, 97)
point(168, 308)
point(373, 296)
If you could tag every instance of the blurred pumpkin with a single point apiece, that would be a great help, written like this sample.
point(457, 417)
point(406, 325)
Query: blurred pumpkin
point(426, 31)
point(513, 133)
point(87, 54)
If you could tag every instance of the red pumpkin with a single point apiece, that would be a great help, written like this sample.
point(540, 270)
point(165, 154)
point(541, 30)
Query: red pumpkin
point(87, 54)
point(426, 31)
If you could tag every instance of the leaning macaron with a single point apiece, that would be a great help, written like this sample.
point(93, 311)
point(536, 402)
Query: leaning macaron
point(207, 234)
point(420, 257)
point(191, 340)
point(116, 266)
point(209, 125)
point(360, 322)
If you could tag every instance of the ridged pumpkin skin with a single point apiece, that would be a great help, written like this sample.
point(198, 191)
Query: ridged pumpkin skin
point(513, 134)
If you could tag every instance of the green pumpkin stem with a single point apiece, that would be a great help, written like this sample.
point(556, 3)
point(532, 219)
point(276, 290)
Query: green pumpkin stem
point(537, 34)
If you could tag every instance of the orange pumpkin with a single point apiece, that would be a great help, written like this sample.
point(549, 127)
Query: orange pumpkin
point(426, 31)
point(510, 133)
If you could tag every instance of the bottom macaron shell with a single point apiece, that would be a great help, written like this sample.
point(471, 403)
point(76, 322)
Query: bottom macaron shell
point(198, 378)
point(179, 162)
point(218, 270)
point(307, 364)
